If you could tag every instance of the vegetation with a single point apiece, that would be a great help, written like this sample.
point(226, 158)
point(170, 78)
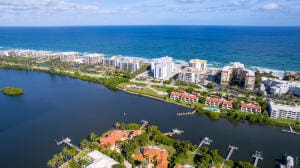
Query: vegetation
point(12, 91)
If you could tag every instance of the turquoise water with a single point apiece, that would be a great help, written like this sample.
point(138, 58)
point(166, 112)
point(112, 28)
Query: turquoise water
point(274, 48)
point(212, 109)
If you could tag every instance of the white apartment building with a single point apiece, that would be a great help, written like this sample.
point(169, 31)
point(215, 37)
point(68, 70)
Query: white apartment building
point(113, 61)
point(93, 58)
point(162, 68)
point(68, 56)
point(279, 87)
point(198, 64)
point(284, 111)
point(100, 160)
point(130, 65)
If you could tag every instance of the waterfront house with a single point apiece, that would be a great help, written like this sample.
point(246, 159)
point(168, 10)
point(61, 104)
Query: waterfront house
point(134, 133)
point(183, 96)
point(153, 154)
point(100, 160)
point(110, 141)
point(250, 107)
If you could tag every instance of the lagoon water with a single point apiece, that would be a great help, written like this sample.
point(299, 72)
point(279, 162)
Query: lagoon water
point(274, 48)
point(54, 107)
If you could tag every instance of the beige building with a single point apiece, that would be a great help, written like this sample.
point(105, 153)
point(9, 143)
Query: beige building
point(238, 71)
point(194, 73)
point(93, 58)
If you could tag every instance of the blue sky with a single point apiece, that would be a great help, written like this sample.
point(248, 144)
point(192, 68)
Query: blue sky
point(149, 12)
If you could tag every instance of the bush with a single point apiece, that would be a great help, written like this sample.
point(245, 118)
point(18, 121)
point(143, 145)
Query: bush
point(214, 116)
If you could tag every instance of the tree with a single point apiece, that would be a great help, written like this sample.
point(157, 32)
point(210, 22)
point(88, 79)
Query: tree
point(117, 125)
point(93, 137)
point(210, 85)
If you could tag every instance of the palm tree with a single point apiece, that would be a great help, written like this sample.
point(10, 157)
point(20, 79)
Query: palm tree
point(93, 137)
point(117, 125)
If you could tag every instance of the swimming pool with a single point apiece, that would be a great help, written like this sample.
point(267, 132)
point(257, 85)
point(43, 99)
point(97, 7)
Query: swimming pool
point(212, 109)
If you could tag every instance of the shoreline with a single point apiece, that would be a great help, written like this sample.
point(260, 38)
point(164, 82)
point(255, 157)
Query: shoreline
point(277, 123)
point(181, 62)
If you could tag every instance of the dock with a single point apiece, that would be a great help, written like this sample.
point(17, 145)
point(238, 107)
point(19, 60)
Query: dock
point(257, 156)
point(174, 131)
point(67, 141)
point(186, 113)
point(290, 130)
point(231, 149)
point(145, 123)
point(204, 141)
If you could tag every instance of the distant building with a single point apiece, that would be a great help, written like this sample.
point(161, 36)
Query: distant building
point(198, 64)
point(276, 86)
point(250, 107)
point(68, 56)
point(284, 111)
point(216, 102)
point(162, 68)
point(152, 153)
point(100, 160)
point(113, 61)
point(183, 96)
point(237, 71)
point(130, 65)
point(93, 58)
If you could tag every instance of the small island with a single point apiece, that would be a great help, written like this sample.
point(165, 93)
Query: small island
point(12, 91)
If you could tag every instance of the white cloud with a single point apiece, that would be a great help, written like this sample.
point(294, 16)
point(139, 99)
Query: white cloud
point(271, 6)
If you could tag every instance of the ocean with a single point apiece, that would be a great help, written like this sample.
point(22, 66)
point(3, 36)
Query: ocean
point(269, 48)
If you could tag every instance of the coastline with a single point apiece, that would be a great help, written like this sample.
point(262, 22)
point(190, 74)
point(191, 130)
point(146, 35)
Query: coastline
point(92, 78)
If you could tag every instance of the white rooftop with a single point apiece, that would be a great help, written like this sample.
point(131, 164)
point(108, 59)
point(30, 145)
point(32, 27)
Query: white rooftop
point(295, 108)
point(100, 160)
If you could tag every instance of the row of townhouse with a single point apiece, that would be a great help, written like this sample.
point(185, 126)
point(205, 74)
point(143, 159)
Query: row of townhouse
point(183, 96)
point(250, 107)
point(216, 102)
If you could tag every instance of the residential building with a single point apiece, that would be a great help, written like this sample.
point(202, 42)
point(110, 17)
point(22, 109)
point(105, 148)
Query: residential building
point(100, 160)
point(284, 111)
point(277, 86)
point(183, 96)
point(250, 107)
point(68, 56)
point(237, 74)
point(216, 102)
point(113, 61)
point(4, 53)
point(93, 58)
point(152, 154)
point(191, 75)
point(130, 65)
point(110, 141)
point(162, 68)
point(198, 64)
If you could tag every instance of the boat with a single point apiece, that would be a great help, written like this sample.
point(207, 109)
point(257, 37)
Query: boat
point(289, 162)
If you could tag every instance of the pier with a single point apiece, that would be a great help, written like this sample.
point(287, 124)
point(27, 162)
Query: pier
point(145, 123)
point(175, 131)
point(290, 130)
point(67, 141)
point(231, 149)
point(186, 113)
point(257, 156)
point(205, 141)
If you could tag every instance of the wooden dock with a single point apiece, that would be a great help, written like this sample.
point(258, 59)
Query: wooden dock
point(186, 113)
point(67, 141)
point(257, 156)
point(231, 149)
point(290, 130)
point(204, 141)
point(145, 123)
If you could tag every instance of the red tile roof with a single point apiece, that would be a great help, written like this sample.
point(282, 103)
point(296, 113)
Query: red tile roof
point(251, 106)
point(114, 137)
point(151, 152)
point(135, 133)
point(215, 100)
point(229, 103)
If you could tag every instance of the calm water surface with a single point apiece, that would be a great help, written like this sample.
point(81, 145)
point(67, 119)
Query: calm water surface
point(54, 107)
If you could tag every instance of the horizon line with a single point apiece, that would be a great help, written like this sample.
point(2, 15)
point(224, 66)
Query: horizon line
point(142, 25)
